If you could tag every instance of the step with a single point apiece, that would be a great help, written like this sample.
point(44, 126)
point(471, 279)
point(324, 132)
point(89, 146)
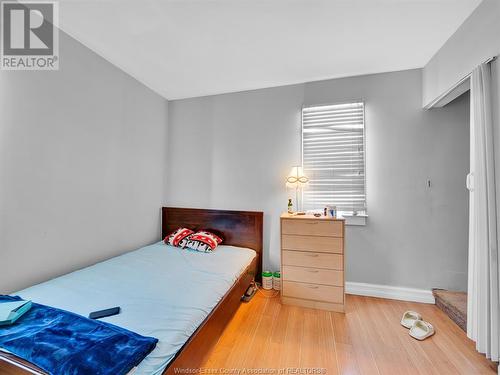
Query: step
point(453, 304)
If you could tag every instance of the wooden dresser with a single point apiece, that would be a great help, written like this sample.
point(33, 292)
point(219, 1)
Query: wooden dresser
point(312, 262)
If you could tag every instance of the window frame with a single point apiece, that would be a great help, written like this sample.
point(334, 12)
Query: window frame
point(351, 218)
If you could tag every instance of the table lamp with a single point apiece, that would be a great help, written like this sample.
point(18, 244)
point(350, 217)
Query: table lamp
point(297, 179)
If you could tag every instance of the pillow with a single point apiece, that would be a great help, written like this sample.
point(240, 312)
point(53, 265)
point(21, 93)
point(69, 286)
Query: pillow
point(203, 241)
point(178, 237)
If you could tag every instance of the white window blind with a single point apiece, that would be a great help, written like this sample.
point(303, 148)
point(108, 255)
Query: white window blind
point(333, 156)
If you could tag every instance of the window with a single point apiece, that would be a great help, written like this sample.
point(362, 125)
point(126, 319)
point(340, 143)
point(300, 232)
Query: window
point(333, 157)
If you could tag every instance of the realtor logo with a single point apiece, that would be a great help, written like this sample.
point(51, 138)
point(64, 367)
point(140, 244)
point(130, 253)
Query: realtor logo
point(29, 35)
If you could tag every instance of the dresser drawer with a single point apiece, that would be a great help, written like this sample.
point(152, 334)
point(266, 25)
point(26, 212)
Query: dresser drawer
point(312, 243)
point(312, 227)
point(310, 259)
point(313, 275)
point(323, 293)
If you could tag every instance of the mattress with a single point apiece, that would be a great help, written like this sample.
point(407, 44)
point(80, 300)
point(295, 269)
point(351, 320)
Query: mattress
point(163, 291)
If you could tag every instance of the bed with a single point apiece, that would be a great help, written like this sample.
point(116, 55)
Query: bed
point(188, 297)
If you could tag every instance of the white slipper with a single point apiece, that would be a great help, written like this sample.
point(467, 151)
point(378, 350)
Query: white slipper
point(409, 318)
point(421, 330)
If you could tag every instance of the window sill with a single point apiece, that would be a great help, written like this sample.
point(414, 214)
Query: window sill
point(351, 219)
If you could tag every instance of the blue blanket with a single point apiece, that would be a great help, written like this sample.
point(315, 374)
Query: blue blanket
point(60, 342)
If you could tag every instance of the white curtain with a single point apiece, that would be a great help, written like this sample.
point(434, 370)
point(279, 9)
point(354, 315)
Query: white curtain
point(483, 307)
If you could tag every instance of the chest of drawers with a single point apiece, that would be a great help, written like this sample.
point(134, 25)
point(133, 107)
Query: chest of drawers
point(312, 262)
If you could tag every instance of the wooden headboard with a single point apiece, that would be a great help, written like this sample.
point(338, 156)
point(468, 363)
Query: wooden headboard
point(239, 228)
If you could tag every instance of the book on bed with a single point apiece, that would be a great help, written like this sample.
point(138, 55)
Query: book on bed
point(11, 311)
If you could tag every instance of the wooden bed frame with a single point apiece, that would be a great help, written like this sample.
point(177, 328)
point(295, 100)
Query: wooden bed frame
point(238, 228)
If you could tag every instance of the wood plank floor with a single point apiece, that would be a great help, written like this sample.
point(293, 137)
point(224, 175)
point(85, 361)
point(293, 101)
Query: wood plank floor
point(271, 338)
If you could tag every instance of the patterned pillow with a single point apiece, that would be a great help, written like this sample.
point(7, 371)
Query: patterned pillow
point(178, 237)
point(203, 241)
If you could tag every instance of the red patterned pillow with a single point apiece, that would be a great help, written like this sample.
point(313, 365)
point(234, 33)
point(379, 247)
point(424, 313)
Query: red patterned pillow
point(178, 237)
point(203, 241)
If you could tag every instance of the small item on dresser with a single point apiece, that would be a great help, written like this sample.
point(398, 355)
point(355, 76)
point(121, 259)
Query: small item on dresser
point(332, 211)
point(290, 206)
point(277, 280)
point(267, 280)
point(325, 211)
point(317, 214)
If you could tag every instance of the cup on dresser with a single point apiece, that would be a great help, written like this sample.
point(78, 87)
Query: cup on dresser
point(331, 211)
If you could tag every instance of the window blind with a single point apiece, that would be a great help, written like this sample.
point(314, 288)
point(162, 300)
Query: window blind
point(333, 156)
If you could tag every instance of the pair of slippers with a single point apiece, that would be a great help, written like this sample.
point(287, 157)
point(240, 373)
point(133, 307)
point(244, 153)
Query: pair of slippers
point(419, 329)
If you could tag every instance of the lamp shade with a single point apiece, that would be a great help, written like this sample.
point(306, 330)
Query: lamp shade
point(296, 178)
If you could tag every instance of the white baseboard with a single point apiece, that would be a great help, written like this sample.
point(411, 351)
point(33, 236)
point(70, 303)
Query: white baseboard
point(390, 292)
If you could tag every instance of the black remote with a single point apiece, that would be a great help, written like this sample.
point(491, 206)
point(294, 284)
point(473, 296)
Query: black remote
point(104, 313)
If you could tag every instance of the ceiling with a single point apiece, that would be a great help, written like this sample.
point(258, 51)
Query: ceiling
point(188, 48)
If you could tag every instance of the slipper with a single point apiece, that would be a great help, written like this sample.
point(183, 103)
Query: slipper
point(409, 318)
point(421, 330)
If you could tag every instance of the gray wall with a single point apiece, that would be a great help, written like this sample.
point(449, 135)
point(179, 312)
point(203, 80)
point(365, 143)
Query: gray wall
point(233, 151)
point(82, 166)
point(476, 40)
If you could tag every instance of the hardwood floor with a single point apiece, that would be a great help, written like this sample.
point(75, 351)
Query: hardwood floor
point(271, 338)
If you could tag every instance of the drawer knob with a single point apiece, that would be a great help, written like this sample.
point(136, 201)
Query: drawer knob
point(314, 222)
point(313, 287)
point(313, 255)
point(313, 271)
